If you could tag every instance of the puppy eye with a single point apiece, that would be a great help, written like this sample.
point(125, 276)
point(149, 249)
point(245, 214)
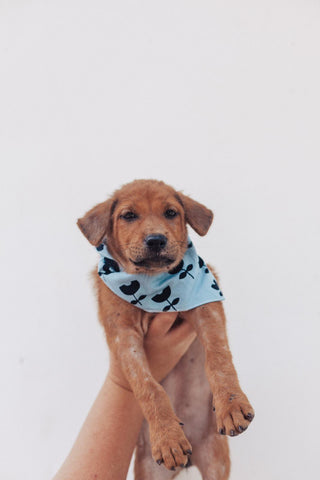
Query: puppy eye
point(170, 213)
point(129, 216)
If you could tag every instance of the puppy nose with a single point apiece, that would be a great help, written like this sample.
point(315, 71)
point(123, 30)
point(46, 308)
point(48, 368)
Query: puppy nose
point(156, 241)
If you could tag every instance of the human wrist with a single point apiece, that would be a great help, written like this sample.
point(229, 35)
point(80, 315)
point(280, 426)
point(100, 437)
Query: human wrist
point(123, 399)
point(117, 382)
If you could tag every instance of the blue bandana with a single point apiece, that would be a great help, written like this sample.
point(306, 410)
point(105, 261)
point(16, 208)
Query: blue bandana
point(186, 286)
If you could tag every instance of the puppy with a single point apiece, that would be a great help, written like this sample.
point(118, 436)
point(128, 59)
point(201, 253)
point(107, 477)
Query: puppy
point(141, 233)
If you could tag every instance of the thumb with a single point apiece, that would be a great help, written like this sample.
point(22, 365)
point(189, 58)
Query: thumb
point(161, 324)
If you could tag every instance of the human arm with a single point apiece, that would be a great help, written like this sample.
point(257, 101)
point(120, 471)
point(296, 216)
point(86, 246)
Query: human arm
point(104, 446)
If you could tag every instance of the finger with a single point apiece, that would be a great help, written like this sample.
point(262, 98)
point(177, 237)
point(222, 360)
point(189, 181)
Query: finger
point(161, 324)
point(184, 331)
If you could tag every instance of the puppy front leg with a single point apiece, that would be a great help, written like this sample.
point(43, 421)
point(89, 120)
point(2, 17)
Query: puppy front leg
point(233, 410)
point(169, 444)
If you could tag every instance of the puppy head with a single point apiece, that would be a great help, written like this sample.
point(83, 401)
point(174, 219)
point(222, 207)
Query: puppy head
point(144, 225)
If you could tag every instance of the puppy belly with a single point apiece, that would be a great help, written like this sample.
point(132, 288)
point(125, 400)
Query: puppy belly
point(190, 394)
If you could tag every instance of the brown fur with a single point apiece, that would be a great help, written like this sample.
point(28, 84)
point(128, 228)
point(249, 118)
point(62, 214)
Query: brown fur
point(124, 221)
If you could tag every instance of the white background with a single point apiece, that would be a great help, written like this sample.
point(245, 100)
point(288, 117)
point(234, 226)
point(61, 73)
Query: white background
point(220, 99)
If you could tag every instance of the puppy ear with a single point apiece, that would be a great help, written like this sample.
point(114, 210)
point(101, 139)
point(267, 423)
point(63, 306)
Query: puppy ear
point(198, 216)
point(95, 223)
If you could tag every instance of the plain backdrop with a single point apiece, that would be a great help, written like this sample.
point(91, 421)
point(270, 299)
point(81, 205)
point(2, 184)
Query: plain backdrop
point(220, 99)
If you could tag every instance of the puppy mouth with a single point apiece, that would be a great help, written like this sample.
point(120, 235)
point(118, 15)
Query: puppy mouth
point(151, 262)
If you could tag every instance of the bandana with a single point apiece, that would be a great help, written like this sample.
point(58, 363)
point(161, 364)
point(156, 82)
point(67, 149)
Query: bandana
point(186, 286)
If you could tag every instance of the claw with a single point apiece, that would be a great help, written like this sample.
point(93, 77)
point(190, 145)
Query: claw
point(249, 417)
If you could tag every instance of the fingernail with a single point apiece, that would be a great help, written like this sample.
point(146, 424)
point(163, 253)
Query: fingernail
point(232, 433)
point(222, 431)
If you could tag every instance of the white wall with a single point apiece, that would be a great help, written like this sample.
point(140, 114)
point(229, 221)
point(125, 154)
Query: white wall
point(220, 99)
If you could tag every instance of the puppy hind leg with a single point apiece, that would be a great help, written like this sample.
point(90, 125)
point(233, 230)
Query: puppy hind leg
point(148, 470)
point(211, 457)
point(145, 468)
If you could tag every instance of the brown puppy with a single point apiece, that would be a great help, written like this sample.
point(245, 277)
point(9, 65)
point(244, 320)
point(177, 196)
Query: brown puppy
point(138, 212)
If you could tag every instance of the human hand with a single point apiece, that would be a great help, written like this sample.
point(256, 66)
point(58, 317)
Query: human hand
point(113, 408)
point(164, 346)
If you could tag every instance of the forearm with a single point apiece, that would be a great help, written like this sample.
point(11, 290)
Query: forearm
point(105, 444)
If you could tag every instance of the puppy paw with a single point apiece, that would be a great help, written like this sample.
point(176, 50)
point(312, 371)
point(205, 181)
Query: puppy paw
point(170, 446)
point(233, 414)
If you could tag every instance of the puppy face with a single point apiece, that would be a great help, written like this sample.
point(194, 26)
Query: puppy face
point(144, 225)
point(149, 228)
